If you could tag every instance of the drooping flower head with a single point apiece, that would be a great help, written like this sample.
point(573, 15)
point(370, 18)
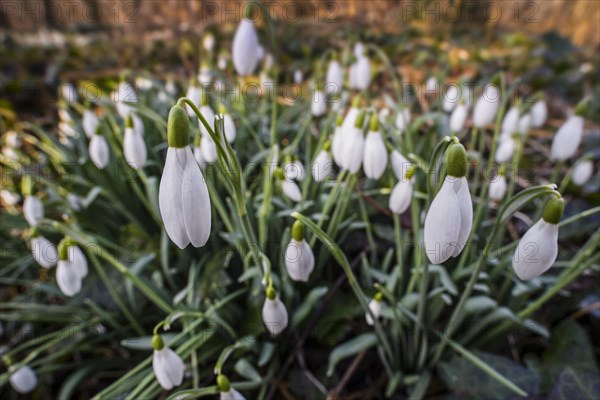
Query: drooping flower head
point(353, 142)
point(488, 104)
point(323, 166)
point(375, 155)
point(167, 365)
point(134, 147)
point(375, 307)
point(42, 250)
point(226, 391)
point(403, 191)
point(274, 313)
point(246, 50)
point(71, 267)
point(569, 135)
point(299, 258)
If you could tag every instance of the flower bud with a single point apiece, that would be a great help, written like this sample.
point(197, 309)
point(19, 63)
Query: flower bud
point(178, 127)
point(457, 161)
point(553, 210)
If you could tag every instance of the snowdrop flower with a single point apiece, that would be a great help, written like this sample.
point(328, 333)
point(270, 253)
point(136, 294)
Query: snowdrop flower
point(23, 379)
point(459, 117)
point(334, 80)
point(134, 147)
point(403, 119)
point(318, 105)
point(12, 139)
point(510, 123)
point(505, 150)
point(487, 106)
point(274, 313)
point(222, 62)
point(183, 196)
point(362, 73)
point(293, 170)
point(124, 96)
point(402, 193)
point(400, 165)
point(227, 392)
point(539, 113)
point(352, 146)
point(359, 49)
point(90, 123)
point(194, 93)
point(167, 365)
point(9, 198)
point(525, 124)
point(431, 84)
point(71, 268)
point(375, 307)
point(246, 49)
point(68, 92)
point(289, 188)
point(343, 130)
point(43, 251)
point(299, 258)
point(582, 172)
point(498, 187)
point(450, 216)
point(567, 139)
point(67, 129)
point(33, 210)
point(98, 150)
point(298, 77)
point(451, 97)
point(208, 149)
point(323, 165)
point(538, 248)
point(75, 202)
point(208, 114)
point(208, 41)
point(198, 156)
point(230, 130)
point(375, 155)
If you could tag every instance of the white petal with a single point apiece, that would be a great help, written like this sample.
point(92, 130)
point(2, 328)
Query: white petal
point(170, 196)
point(67, 278)
point(90, 123)
point(44, 252)
point(537, 250)
point(78, 261)
point(23, 380)
point(498, 188)
point(567, 139)
point(524, 124)
point(291, 190)
point(323, 167)
point(245, 51)
point(294, 170)
point(363, 73)
point(352, 155)
point(337, 145)
point(318, 105)
point(299, 260)
point(230, 130)
point(451, 98)
point(160, 369)
point(401, 196)
point(486, 107)
point(510, 123)
point(33, 210)
point(465, 204)
point(375, 156)
point(400, 165)
point(375, 307)
point(442, 224)
point(195, 202)
point(209, 115)
point(539, 113)
point(194, 94)
point(99, 152)
point(275, 316)
point(134, 148)
point(582, 172)
point(458, 118)
point(209, 149)
point(505, 151)
point(232, 395)
point(335, 77)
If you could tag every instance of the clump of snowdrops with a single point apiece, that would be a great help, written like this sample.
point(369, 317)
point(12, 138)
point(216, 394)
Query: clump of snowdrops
point(176, 236)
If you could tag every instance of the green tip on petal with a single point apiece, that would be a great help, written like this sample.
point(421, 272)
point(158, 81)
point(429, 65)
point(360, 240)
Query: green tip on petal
point(63, 248)
point(554, 210)
point(356, 102)
point(26, 185)
point(222, 108)
point(340, 120)
point(129, 121)
point(374, 123)
point(582, 107)
point(271, 293)
point(360, 120)
point(178, 127)
point(457, 161)
point(410, 172)
point(279, 174)
point(223, 383)
point(378, 297)
point(34, 232)
point(298, 231)
point(157, 342)
point(327, 145)
point(496, 80)
point(7, 360)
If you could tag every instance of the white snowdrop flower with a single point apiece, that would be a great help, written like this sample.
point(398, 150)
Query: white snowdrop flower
point(9, 198)
point(539, 113)
point(487, 106)
point(567, 139)
point(226, 391)
point(64, 115)
point(459, 117)
point(23, 379)
point(230, 130)
point(246, 50)
point(98, 151)
point(90, 123)
point(298, 77)
point(209, 116)
point(498, 187)
point(375, 155)
point(124, 97)
point(208, 149)
point(134, 147)
point(143, 83)
point(505, 150)
point(77, 260)
point(67, 129)
point(274, 313)
point(431, 84)
point(323, 165)
point(291, 190)
point(359, 49)
point(204, 76)
point(208, 41)
point(222, 63)
point(12, 139)
point(138, 124)
point(334, 80)
point(510, 123)
point(402, 193)
point(194, 93)
point(294, 170)
point(582, 172)
point(353, 146)
point(451, 97)
point(375, 307)
point(318, 105)
point(75, 202)
point(400, 165)
point(450, 216)
point(383, 114)
point(43, 251)
point(538, 248)
point(342, 130)
point(403, 119)
point(198, 157)
point(524, 124)
point(33, 210)
point(299, 258)
point(362, 71)
point(167, 365)
point(171, 87)
point(183, 195)
point(68, 92)
point(71, 268)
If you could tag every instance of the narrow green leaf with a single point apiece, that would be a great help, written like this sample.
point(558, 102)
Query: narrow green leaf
point(349, 348)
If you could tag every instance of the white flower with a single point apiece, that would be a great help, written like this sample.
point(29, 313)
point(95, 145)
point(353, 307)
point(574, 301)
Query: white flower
point(582, 172)
point(208, 148)
point(75, 202)
point(78, 261)
point(67, 129)
point(275, 315)
point(138, 124)
point(291, 190)
point(222, 63)
point(451, 97)
point(12, 139)
point(43, 251)
point(208, 41)
point(33, 210)
point(299, 260)
point(359, 49)
point(230, 130)
point(90, 123)
point(209, 116)
point(375, 307)
point(400, 165)
point(401, 196)
point(539, 113)
point(124, 96)
point(232, 394)
point(362, 71)
point(134, 148)
point(68, 278)
point(458, 117)
point(194, 93)
point(64, 115)
point(341, 133)
point(68, 92)
point(168, 367)
point(431, 84)
point(335, 77)
point(567, 139)
point(537, 250)
point(375, 156)
point(198, 156)
point(524, 124)
point(486, 107)
point(318, 105)
point(294, 170)
point(98, 150)
point(352, 149)
point(9, 197)
point(498, 188)
point(246, 50)
point(323, 166)
point(23, 380)
point(505, 150)
point(403, 119)
point(298, 77)
point(510, 123)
